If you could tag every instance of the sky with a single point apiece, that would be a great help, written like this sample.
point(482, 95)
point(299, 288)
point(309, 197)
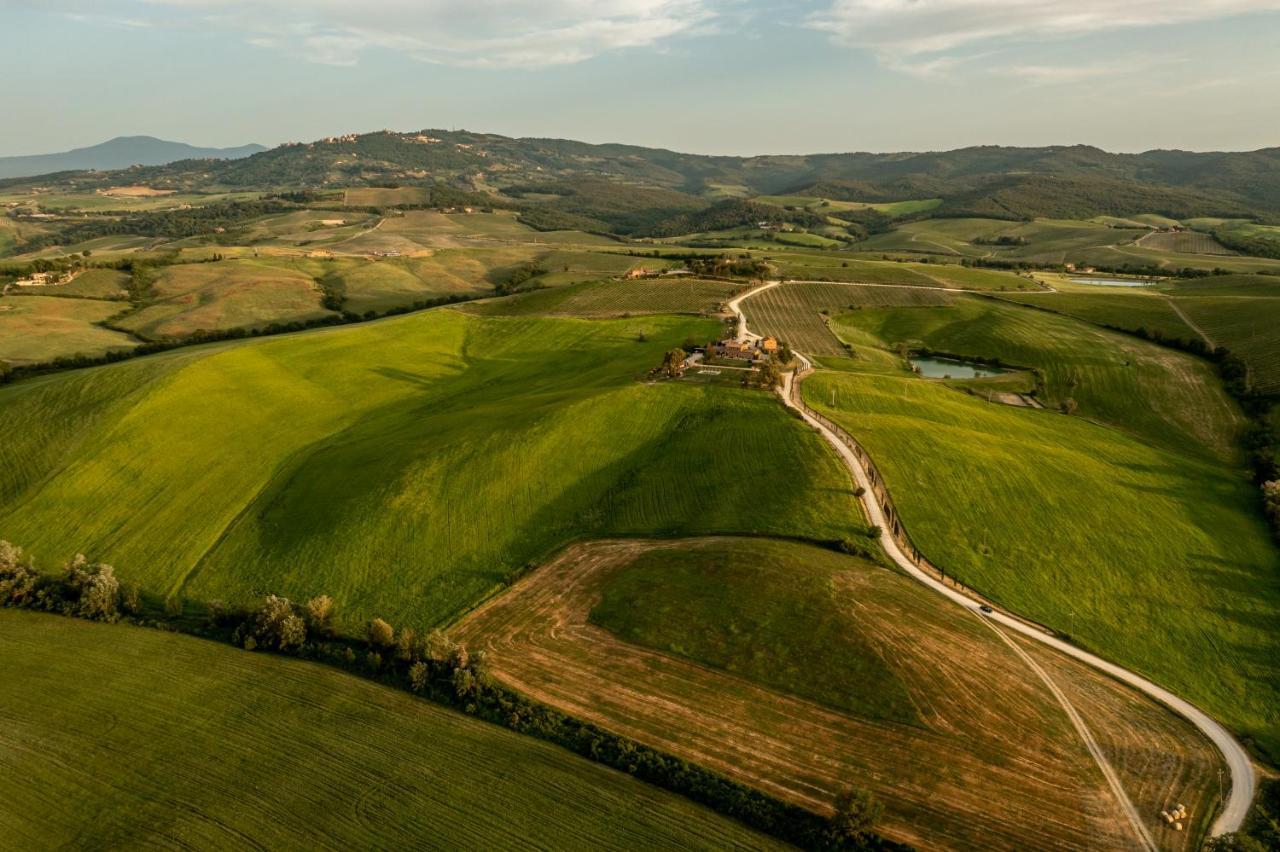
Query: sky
point(703, 76)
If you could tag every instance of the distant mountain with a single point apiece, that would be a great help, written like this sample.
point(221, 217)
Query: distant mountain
point(118, 153)
point(631, 190)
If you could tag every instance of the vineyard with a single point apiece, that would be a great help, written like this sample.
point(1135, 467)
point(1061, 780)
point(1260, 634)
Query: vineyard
point(1184, 242)
point(1245, 325)
point(793, 312)
point(601, 299)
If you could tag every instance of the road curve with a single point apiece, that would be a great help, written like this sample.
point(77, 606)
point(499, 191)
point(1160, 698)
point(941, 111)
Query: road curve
point(1243, 781)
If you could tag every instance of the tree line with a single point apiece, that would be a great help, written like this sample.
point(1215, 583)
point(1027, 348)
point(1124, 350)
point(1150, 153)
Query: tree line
point(434, 667)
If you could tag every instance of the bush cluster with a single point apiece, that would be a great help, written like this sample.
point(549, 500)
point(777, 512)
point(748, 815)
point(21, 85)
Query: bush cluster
point(83, 589)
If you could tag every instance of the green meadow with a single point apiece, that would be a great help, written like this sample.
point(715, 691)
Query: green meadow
point(407, 467)
point(122, 737)
point(1238, 312)
point(1154, 393)
point(1129, 525)
point(1105, 241)
point(41, 328)
point(768, 611)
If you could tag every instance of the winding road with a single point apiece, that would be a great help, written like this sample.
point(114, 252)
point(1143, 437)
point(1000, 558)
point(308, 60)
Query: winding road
point(1243, 780)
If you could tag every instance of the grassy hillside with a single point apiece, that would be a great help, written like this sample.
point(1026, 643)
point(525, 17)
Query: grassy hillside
point(120, 737)
point(1121, 307)
point(1157, 394)
point(786, 667)
point(406, 467)
point(216, 296)
point(616, 298)
point(691, 603)
point(1155, 558)
point(1238, 312)
point(1102, 241)
point(41, 328)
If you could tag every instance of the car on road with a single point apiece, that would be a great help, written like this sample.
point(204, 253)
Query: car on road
point(986, 608)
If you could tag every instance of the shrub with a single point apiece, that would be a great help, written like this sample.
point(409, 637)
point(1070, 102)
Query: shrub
point(419, 674)
point(381, 634)
point(407, 645)
point(274, 625)
point(856, 814)
point(18, 578)
point(91, 590)
point(320, 613)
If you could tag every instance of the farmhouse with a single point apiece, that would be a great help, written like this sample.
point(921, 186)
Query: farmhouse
point(769, 345)
point(638, 272)
point(739, 349)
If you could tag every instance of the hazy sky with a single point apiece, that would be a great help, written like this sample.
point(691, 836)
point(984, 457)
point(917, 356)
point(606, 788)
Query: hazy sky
point(712, 76)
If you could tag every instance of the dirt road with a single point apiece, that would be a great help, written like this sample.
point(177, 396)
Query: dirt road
point(1243, 781)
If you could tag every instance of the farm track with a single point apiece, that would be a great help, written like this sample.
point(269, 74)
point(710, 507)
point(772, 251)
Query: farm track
point(1191, 324)
point(1243, 781)
point(1015, 776)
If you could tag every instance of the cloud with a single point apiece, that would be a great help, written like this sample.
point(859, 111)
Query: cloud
point(913, 35)
point(469, 33)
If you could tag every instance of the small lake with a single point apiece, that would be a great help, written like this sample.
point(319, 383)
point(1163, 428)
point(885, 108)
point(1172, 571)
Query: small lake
point(1111, 282)
point(933, 367)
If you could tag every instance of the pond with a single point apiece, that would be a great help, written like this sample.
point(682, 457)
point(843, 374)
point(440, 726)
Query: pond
point(1111, 282)
point(937, 367)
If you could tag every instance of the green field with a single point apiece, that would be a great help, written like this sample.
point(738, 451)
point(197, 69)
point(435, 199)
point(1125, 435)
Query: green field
point(96, 284)
point(121, 737)
point(1119, 307)
point(1128, 539)
point(827, 205)
point(1249, 327)
point(793, 312)
point(797, 638)
point(41, 328)
point(1184, 242)
point(1103, 242)
point(682, 295)
point(1238, 312)
point(1156, 394)
point(851, 269)
point(407, 467)
point(120, 201)
point(228, 294)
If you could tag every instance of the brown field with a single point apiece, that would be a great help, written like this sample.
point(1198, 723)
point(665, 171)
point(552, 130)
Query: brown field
point(994, 763)
point(136, 192)
point(227, 294)
point(419, 231)
point(385, 196)
point(40, 328)
point(608, 298)
point(792, 312)
point(1161, 759)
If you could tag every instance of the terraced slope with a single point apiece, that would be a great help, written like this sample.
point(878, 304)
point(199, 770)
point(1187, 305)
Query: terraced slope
point(121, 737)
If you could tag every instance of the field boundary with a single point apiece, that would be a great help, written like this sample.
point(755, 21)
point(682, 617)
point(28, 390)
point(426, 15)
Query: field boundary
point(1243, 778)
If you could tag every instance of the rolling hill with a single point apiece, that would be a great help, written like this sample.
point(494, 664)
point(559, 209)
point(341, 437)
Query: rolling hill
point(1202, 183)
